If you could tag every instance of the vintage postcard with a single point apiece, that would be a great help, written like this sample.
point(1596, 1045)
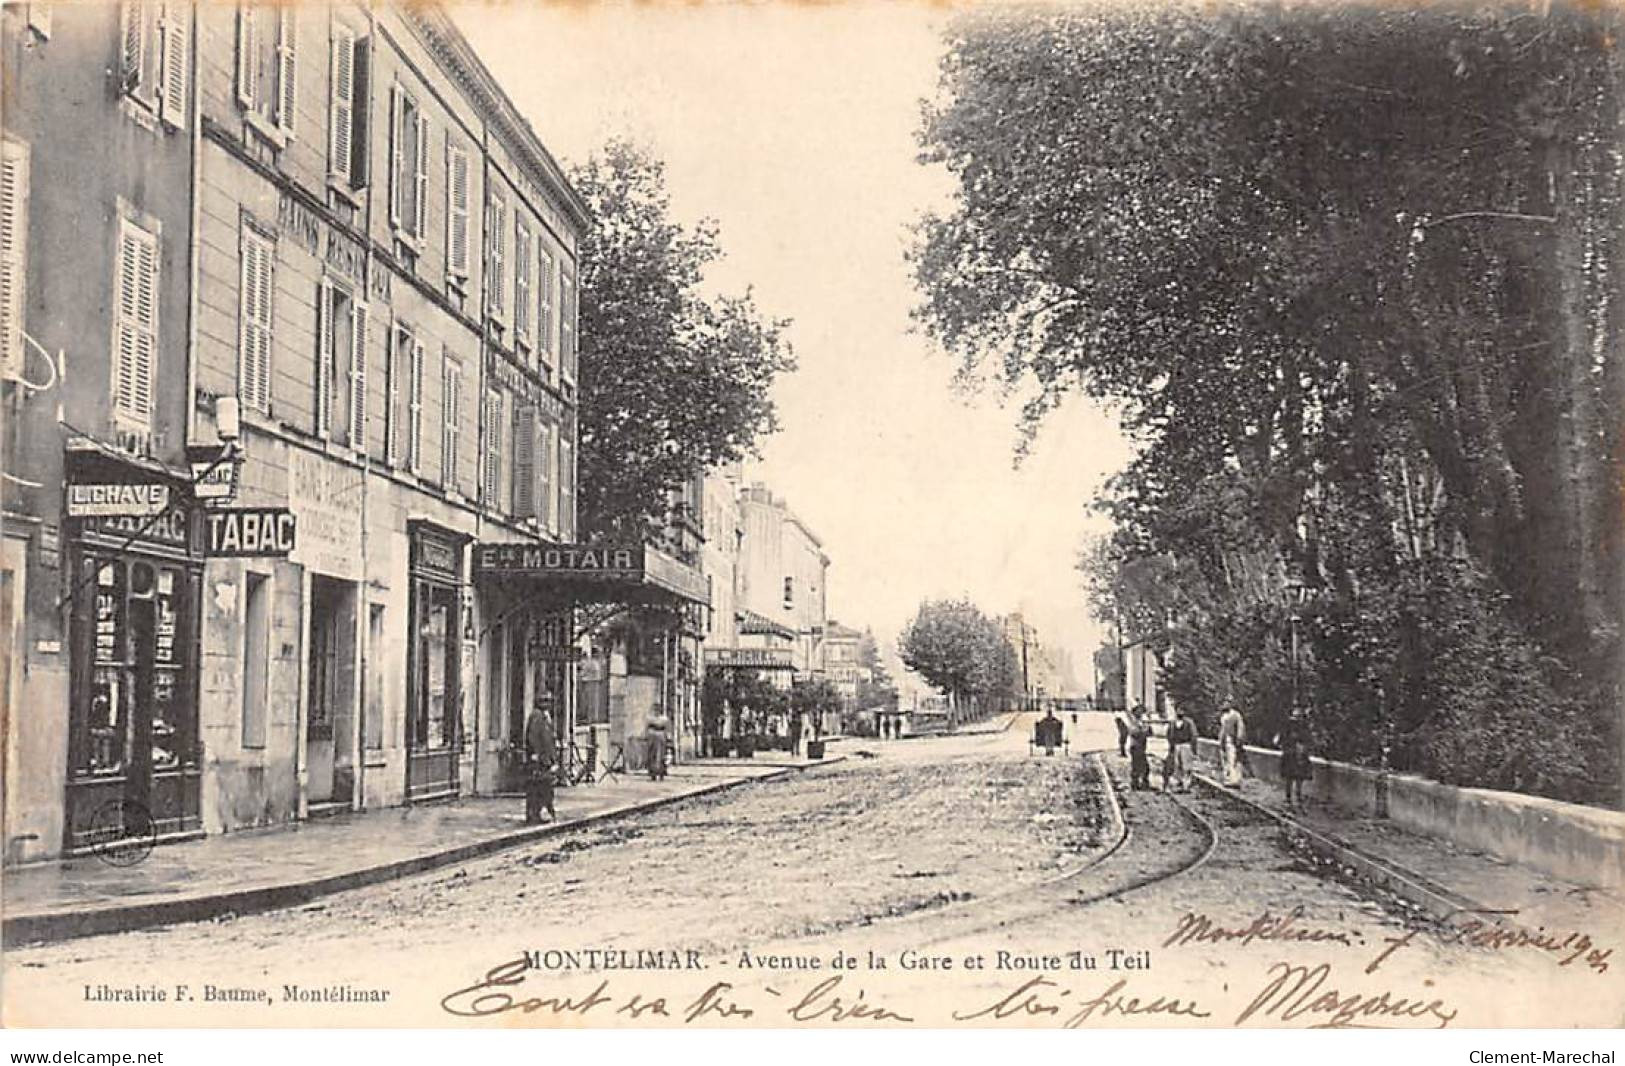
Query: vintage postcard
point(840, 516)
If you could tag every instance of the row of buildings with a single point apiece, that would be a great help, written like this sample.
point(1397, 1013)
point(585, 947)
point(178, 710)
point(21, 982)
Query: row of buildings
point(288, 303)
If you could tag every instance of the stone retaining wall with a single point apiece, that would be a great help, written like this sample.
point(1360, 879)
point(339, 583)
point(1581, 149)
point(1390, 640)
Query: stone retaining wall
point(1584, 845)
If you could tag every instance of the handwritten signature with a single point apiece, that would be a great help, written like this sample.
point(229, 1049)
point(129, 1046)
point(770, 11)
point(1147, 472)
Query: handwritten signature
point(500, 992)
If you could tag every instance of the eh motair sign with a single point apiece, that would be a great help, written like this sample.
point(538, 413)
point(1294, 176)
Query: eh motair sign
point(251, 531)
point(132, 499)
point(605, 562)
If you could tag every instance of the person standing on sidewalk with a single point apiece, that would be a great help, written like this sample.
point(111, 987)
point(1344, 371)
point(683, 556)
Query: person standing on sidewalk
point(541, 751)
point(1232, 736)
point(1121, 718)
point(1181, 750)
point(1295, 766)
point(795, 733)
point(657, 745)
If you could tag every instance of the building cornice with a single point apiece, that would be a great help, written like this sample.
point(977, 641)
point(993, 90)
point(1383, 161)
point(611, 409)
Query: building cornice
point(451, 48)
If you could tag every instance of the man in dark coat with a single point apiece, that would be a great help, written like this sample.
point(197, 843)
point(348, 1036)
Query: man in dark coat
point(541, 752)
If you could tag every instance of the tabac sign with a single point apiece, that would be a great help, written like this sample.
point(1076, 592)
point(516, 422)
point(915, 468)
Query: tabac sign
point(603, 562)
point(252, 531)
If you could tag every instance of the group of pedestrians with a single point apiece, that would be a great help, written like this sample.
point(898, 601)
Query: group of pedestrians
point(1134, 734)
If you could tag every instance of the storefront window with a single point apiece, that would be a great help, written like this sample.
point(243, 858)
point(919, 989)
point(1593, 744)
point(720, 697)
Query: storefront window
point(435, 720)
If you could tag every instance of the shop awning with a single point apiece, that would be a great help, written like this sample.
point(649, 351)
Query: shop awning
point(757, 625)
point(636, 575)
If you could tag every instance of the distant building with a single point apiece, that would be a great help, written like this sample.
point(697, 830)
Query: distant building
point(842, 664)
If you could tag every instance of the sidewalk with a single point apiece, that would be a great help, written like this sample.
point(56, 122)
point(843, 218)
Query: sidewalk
point(1433, 875)
point(263, 869)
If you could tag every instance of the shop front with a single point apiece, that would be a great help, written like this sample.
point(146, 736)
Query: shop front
point(133, 594)
point(628, 603)
point(438, 618)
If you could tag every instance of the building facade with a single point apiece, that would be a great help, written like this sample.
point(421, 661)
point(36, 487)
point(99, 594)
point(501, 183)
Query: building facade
point(334, 243)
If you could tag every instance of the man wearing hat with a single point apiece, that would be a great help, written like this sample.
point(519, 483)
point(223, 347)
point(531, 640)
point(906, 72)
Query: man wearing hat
point(541, 751)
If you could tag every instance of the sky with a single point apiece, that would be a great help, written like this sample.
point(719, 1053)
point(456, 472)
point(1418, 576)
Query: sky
point(793, 125)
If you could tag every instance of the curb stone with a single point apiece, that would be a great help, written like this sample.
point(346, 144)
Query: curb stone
point(54, 926)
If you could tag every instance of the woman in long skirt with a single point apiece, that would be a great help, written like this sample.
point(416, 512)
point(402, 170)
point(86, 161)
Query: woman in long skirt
point(1232, 735)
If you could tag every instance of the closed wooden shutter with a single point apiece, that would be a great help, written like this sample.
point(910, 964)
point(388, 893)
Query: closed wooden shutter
point(394, 414)
point(495, 281)
point(341, 113)
point(136, 322)
point(451, 413)
point(567, 326)
point(326, 376)
point(177, 32)
point(457, 193)
point(13, 255)
point(254, 312)
point(567, 484)
point(133, 49)
point(358, 376)
point(491, 455)
point(521, 280)
point(544, 308)
point(524, 461)
point(414, 445)
point(547, 464)
point(248, 54)
point(397, 155)
point(287, 81)
point(420, 195)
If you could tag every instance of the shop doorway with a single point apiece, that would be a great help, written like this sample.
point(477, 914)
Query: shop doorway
point(330, 693)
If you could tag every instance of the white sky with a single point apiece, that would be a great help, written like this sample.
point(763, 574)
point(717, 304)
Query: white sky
point(793, 126)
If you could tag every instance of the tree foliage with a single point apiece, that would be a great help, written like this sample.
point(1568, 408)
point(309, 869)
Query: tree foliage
point(672, 380)
point(960, 650)
point(1352, 275)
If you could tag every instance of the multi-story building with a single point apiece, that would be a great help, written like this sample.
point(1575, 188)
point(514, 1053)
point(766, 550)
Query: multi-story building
point(326, 234)
point(842, 661)
point(781, 574)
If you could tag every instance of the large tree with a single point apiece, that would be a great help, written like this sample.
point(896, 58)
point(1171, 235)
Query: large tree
point(961, 651)
point(673, 380)
point(1351, 273)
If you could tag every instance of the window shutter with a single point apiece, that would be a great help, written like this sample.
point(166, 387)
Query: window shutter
point(358, 376)
point(524, 461)
point(248, 54)
point(567, 326)
point(490, 457)
point(393, 413)
point(495, 283)
point(457, 211)
point(547, 464)
point(341, 115)
point(361, 121)
point(132, 28)
point(544, 307)
point(287, 83)
point(177, 32)
point(136, 325)
point(13, 255)
point(254, 356)
point(567, 484)
point(521, 279)
point(397, 150)
point(414, 444)
point(325, 377)
point(420, 201)
point(451, 386)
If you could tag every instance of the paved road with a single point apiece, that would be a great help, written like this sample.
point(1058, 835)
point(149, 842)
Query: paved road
point(927, 853)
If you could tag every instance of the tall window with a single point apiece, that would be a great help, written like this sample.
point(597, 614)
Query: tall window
point(522, 254)
point(347, 109)
point(451, 419)
point(409, 169)
point(267, 68)
point(414, 409)
point(547, 474)
point(152, 56)
point(254, 315)
point(457, 197)
point(405, 395)
point(13, 254)
point(341, 366)
point(135, 323)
